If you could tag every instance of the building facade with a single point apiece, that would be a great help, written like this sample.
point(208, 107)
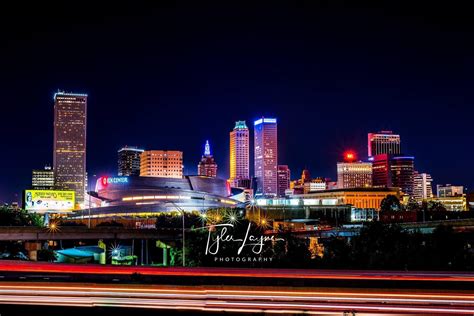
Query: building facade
point(284, 176)
point(42, 179)
point(402, 169)
point(266, 156)
point(354, 175)
point(381, 175)
point(361, 198)
point(383, 142)
point(129, 161)
point(422, 188)
point(239, 155)
point(394, 171)
point(207, 167)
point(69, 157)
point(449, 190)
point(457, 203)
point(161, 163)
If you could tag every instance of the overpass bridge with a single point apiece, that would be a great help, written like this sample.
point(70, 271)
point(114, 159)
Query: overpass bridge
point(85, 233)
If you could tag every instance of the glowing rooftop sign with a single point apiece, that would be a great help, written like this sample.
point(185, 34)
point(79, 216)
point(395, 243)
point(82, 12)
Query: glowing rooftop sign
point(265, 120)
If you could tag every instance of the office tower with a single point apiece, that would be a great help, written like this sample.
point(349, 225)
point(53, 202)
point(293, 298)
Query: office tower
point(284, 176)
point(381, 175)
point(394, 171)
point(266, 156)
point(43, 179)
point(161, 163)
point(383, 142)
point(422, 188)
point(129, 161)
point(402, 171)
point(305, 176)
point(207, 166)
point(449, 190)
point(239, 156)
point(69, 158)
point(354, 175)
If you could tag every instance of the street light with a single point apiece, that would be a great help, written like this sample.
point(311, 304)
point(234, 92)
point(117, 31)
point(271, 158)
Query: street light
point(183, 231)
point(89, 208)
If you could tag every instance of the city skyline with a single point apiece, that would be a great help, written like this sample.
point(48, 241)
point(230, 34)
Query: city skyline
point(326, 103)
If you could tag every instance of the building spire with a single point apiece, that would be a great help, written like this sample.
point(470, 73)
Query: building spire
point(207, 149)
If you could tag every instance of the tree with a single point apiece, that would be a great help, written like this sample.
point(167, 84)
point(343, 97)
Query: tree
point(412, 205)
point(390, 203)
point(435, 206)
point(19, 217)
point(46, 255)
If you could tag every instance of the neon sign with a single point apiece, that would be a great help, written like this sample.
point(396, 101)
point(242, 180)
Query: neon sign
point(105, 181)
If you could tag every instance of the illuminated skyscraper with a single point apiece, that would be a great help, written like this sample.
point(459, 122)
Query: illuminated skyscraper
point(284, 176)
point(422, 189)
point(207, 166)
point(402, 170)
point(161, 163)
point(129, 161)
point(69, 158)
point(266, 156)
point(394, 171)
point(383, 142)
point(239, 155)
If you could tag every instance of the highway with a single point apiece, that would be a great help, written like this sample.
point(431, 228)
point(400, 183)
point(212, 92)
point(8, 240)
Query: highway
point(235, 290)
point(305, 274)
point(238, 299)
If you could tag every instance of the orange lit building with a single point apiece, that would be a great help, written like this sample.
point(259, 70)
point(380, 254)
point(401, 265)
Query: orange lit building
point(239, 155)
point(363, 198)
point(161, 163)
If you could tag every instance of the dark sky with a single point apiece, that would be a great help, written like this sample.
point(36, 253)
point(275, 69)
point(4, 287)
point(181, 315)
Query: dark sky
point(171, 77)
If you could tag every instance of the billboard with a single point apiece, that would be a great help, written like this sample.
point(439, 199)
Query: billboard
point(49, 200)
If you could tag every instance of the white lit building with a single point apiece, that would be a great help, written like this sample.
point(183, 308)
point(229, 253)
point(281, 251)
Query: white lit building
point(354, 175)
point(422, 189)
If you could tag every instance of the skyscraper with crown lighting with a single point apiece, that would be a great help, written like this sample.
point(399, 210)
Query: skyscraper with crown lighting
point(239, 155)
point(207, 167)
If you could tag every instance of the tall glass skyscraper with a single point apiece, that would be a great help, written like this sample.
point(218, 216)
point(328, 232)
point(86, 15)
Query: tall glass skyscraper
point(129, 161)
point(69, 157)
point(239, 155)
point(266, 156)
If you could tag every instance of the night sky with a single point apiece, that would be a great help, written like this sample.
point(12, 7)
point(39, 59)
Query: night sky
point(171, 77)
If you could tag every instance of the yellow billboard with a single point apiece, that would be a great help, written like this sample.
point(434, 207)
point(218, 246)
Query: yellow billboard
point(49, 200)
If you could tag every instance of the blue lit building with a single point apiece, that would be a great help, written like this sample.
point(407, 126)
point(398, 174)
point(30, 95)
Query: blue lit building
point(266, 156)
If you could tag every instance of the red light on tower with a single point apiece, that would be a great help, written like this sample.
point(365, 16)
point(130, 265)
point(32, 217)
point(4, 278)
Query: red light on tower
point(349, 156)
